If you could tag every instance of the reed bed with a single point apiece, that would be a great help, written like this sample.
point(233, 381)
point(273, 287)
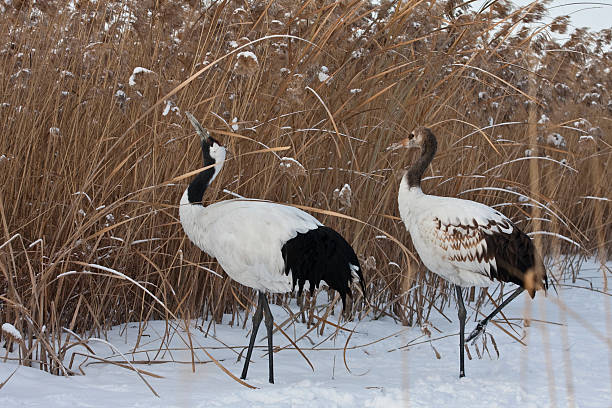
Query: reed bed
point(94, 144)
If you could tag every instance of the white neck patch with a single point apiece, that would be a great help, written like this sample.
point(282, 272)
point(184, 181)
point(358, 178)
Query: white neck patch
point(218, 154)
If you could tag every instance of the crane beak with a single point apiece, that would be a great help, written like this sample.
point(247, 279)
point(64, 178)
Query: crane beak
point(404, 143)
point(204, 135)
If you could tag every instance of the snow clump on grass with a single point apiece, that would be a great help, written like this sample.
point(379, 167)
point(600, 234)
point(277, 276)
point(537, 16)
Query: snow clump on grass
point(291, 166)
point(121, 99)
point(322, 75)
point(136, 73)
point(555, 139)
point(171, 107)
point(54, 131)
point(343, 195)
point(246, 63)
point(11, 332)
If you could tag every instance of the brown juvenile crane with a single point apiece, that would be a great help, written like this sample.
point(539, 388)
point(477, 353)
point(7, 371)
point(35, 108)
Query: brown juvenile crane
point(465, 242)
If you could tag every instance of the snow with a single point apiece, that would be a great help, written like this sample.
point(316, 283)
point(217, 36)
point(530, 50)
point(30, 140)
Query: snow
point(11, 331)
point(322, 76)
point(33, 244)
point(543, 119)
point(291, 166)
point(167, 108)
point(555, 139)
point(565, 363)
point(343, 195)
point(171, 107)
point(248, 54)
point(136, 71)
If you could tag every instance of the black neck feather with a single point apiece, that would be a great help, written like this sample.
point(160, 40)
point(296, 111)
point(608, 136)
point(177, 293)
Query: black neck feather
point(414, 173)
point(198, 186)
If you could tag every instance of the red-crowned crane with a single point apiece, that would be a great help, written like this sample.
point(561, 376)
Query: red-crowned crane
point(465, 242)
point(266, 246)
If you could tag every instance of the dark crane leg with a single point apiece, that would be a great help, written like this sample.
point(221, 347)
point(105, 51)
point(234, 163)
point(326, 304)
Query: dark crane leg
point(256, 321)
point(461, 313)
point(269, 326)
point(482, 325)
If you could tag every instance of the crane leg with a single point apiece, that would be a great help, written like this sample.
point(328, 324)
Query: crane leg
point(269, 326)
point(256, 322)
point(482, 325)
point(461, 314)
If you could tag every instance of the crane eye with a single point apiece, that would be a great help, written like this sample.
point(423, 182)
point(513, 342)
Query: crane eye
point(411, 136)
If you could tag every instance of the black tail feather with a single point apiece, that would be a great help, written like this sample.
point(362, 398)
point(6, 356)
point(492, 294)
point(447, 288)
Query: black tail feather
point(319, 255)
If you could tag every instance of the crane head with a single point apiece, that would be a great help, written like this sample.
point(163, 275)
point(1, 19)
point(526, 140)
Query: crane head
point(210, 146)
point(416, 139)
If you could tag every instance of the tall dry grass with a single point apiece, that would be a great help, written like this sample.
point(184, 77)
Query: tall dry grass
point(91, 153)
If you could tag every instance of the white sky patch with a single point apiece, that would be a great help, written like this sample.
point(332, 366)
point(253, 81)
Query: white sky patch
point(594, 15)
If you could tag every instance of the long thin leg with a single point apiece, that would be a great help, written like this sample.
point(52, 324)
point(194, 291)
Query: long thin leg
point(461, 313)
point(481, 326)
point(256, 321)
point(269, 326)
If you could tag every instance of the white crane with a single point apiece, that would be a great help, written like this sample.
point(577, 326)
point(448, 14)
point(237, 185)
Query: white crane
point(266, 246)
point(465, 242)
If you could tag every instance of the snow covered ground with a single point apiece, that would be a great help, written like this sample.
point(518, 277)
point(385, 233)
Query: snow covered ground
point(568, 362)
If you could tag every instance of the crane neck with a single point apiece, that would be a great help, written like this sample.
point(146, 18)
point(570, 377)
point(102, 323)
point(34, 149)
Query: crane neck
point(200, 183)
point(414, 173)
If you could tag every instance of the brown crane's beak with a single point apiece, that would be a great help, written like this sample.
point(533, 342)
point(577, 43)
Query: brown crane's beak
point(406, 143)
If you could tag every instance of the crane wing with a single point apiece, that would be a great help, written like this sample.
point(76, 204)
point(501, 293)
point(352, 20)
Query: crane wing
point(462, 232)
point(246, 237)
